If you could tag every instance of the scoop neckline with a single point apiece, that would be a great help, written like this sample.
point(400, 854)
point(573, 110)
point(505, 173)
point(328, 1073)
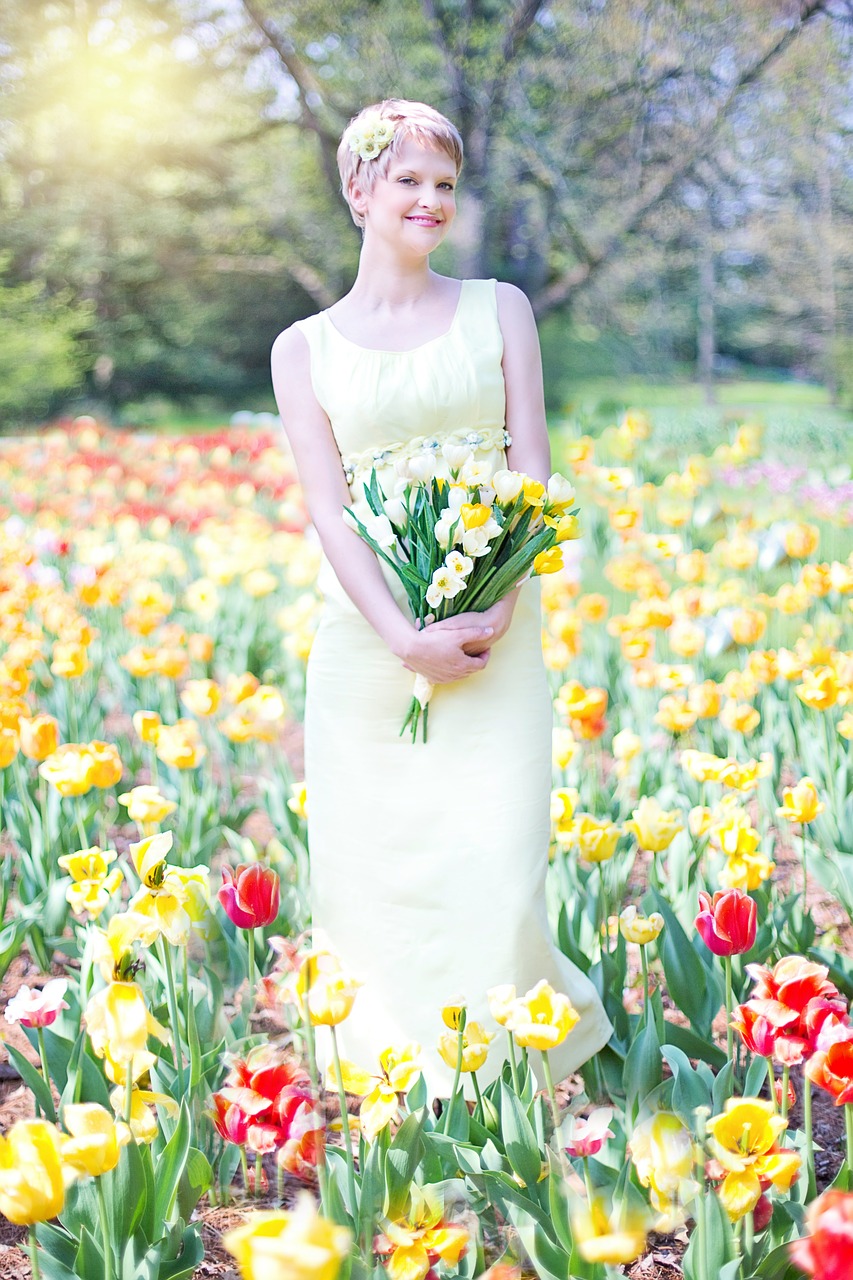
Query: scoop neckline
point(407, 351)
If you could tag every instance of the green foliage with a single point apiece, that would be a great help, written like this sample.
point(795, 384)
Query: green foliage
point(41, 353)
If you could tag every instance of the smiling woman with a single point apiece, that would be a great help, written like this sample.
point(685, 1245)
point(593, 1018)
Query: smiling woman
point(427, 863)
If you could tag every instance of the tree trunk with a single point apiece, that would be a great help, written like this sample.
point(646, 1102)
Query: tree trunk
point(706, 338)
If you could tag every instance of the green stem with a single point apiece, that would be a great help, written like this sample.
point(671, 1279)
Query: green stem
point(45, 1071)
point(315, 1083)
point(250, 938)
point(105, 1228)
point(700, 1211)
point(803, 827)
point(479, 1096)
point(460, 1046)
point(552, 1094)
point(783, 1107)
point(259, 1168)
point(34, 1253)
point(166, 957)
point(730, 1031)
point(345, 1126)
point(244, 1165)
point(848, 1127)
point(81, 830)
point(590, 1193)
point(748, 1237)
point(644, 961)
point(807, 1124)
point(513, 1065)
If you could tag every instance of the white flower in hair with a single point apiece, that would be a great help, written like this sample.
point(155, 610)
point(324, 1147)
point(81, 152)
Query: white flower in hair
point(370, 136)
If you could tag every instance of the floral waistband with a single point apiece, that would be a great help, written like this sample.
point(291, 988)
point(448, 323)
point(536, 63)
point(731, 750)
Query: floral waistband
point(455, 446)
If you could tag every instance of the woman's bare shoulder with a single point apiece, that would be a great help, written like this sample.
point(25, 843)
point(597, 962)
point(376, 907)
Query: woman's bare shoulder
point(290, 347)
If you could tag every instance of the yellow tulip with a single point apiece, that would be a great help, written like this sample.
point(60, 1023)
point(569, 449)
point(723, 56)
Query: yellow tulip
point(542, 1018)
point(325, 993)
point(474, 514)
point(613, 1235)
point(550, 561)
point(819, 689)
point(9, 743)
point(96, 1139)
point(179, 745)
point(675, 714)
point(746, 872)
point(201, 697)
point(298, 802)
point(452, 1013)
point(118, 1020)
point(743, 1139)
point(32, 1177)
point(69, 660)
point(475, 1047)
point(107, 767)
point(146, 724)
point(146, 805)
point(93, 884)
point(300, 1244)
point(113, 947)
point(69, 768)
point(801, 803)
point(39, 736)
point(640, 929)
point(399, 1069)
point(501, 1000)
point(655, 828)
point(801, 540)
point(534, 492)
point(595, 840)
point(662, 1153)
point(740, 717)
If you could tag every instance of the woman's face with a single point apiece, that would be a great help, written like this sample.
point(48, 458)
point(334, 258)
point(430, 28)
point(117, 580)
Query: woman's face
point(415, 201)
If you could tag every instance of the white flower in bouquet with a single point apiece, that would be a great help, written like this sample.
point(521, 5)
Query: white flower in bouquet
point(396, 511)
point(507, 485)
point(421, 467)
point(444, 528)
point(475, 542)
point(456, 455)
point(459, 564)
point(381, 530)
point(560, 490)
point(476, 471)
point(445, 585)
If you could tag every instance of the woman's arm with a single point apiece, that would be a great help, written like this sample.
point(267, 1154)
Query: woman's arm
point(438, 656)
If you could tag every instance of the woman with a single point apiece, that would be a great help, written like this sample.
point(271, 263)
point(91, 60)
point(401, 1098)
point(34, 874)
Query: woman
point(428, 861)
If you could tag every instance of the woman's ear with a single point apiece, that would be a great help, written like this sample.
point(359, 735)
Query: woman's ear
point(357, 198)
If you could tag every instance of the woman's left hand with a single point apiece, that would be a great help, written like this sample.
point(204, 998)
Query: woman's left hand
point(498, 617)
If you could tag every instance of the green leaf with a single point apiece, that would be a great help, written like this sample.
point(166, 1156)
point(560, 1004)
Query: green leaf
point(548, 1259)
point(170, 1166)
point(125, 1193)
point(755, 1078)
point(196, 1179)
point(190, 1256)
point(519, 1139)
point(723, 1088)
point(695, 1046)
point(57, 1243)
point(401, 1161)
point(777, 1265)
point(90, 1258)
point(643, 1067)
point(458, 1120)
point(33, 1079)
point(690, 1089)
point(558, 1204)
point(417, 1095)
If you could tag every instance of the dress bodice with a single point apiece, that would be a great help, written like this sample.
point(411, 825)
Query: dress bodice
point(389, 407)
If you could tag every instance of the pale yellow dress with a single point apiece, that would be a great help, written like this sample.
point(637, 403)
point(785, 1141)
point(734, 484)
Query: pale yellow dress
point(428, 861)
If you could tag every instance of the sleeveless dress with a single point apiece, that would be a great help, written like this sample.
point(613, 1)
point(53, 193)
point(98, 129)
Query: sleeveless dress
point(428, 861)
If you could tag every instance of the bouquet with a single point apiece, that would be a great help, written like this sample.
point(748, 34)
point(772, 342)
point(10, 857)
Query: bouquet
point(457, 546)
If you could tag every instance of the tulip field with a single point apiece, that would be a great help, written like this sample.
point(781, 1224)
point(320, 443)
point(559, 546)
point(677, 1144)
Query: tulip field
point(160, 1103)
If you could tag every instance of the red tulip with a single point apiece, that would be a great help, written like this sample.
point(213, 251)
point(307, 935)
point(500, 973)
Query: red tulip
point(757, 1032)
point(727, 922)
point(832, 1066)
point(826, 1253)
point(791, 1006)
point(250, 895)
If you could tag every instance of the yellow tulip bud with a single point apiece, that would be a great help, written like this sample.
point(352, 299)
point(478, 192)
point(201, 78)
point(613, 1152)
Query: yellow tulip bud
point(96, 1139)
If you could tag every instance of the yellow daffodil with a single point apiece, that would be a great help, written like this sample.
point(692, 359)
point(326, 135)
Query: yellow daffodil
point(801, 803)
point(743, 1139)
point(325, 992)
point(475, 1047)
point(542, 1018)
point(655, 828)
point(32, 1175)
point(640, 929)
point(96, 1139)
point(298, 1244)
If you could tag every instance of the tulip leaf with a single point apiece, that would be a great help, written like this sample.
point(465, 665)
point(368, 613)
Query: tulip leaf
point(52, 1268)
point(170, 1166)
point(126, 1193)
point(458, 1120)
point(522, 1148)
point(691, 1089)
point(755, 1077)
point(723, 1087)
point(643, 1069)
point(777, 1265)
point(90, 1259)
point(194, 1181)
point(33, 1079)
point(417, 1095)
point(58, 1243)
point(188, 1259)
point(694, 988)
point(558, 1204)
point(549, 1261)
point(505, 1192)
point(719, 1241)
point(695, 1046)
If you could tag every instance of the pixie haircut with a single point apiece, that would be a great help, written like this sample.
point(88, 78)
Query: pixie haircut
point(415, 120)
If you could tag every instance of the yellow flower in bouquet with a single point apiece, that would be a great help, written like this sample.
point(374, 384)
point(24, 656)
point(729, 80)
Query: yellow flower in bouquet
point(542, 1018)
point(655, 828)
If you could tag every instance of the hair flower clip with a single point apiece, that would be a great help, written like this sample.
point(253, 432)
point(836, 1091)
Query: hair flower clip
point(370, 136)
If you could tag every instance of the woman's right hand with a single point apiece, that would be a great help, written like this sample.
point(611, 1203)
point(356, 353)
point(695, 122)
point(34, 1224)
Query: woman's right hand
point(439, 653)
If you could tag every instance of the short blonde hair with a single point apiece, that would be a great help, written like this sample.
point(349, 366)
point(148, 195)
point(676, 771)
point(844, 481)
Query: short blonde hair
point(426, 126)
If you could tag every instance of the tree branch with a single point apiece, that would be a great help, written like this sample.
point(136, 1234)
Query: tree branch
point(559, 291)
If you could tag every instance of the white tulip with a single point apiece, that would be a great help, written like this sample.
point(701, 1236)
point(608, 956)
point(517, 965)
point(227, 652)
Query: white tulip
point(395, 510)
point(455, 454)
point(422, 467)
point(381, 530)
point(507, 485)
point(560, 490)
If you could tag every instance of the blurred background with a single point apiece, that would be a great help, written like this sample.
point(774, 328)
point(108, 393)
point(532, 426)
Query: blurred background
point(671, 184)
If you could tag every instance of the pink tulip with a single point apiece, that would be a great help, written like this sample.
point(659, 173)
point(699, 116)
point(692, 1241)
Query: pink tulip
point(585, 1137)
point(37, 1008)
point(250, 895)
point(727, 922)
